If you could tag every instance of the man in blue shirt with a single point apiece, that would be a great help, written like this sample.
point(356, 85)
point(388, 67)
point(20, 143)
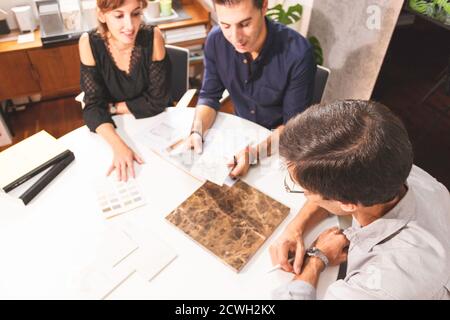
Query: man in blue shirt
point(267, 68)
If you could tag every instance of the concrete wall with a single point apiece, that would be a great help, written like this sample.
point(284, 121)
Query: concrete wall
point(354, 36)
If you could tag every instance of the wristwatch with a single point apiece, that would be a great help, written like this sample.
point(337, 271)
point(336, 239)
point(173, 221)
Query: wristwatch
point(112, 108)
point(315, 252)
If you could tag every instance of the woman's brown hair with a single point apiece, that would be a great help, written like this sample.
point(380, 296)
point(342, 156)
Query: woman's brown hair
point(108, 5)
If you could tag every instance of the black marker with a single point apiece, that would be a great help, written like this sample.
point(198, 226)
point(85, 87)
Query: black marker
point(43, 181)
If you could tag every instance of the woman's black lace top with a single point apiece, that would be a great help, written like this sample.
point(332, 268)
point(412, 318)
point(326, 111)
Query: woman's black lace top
point(144, 88)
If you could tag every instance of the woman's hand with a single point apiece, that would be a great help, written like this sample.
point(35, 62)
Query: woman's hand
point(123, 162)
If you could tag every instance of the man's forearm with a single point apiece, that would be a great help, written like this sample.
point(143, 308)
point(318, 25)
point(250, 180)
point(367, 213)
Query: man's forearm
point(308, 217)
point(204, 118)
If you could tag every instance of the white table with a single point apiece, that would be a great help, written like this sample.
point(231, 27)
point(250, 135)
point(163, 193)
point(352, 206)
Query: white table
point(45, 245)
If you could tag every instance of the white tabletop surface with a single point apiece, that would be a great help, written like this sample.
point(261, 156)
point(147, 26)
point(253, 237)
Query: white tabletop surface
point(45, 246)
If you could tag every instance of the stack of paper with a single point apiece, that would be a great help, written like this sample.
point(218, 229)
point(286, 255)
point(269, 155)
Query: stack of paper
point(185, 34)
point(166, 138)
point(120, 257)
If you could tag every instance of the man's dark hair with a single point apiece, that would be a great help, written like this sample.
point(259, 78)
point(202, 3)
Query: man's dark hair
point(352, 151)
point(257, 3)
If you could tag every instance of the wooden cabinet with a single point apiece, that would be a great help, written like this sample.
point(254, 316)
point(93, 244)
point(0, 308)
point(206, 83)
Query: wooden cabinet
point(17, 77)
point(49, 71)
point(27, 69)
point(58, 69)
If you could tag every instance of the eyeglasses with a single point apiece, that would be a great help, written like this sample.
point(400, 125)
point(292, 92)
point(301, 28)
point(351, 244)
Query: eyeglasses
point(290, 185)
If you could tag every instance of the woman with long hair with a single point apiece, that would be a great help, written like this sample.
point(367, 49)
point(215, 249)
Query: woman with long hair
point(124, 69)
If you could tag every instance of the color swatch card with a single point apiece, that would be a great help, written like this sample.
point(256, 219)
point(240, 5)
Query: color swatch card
point(117, 197)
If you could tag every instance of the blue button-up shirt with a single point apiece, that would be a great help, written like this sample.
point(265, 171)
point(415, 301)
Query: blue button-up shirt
point(270, 90)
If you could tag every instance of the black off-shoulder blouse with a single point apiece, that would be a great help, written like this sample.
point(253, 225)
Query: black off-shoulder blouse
point(145, 89)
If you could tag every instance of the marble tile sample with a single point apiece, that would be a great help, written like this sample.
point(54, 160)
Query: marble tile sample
point(232, 223)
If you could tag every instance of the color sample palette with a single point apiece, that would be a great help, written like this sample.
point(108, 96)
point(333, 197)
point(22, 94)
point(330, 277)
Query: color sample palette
point(117, 197)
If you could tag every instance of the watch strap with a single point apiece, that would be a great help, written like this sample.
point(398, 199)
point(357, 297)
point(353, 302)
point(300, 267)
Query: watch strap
point(316, 252)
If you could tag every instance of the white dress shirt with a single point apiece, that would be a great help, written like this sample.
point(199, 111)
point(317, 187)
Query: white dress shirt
point(403, 255)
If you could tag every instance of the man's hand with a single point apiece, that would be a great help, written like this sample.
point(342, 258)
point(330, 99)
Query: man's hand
point(241, 162)
point(333, 243)
point(290, 241)
point(193, 142)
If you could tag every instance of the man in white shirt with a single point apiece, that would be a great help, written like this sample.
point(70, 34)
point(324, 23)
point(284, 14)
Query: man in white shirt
point(354, 158)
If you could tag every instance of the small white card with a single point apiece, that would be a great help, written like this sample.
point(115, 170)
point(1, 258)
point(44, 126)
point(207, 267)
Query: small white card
point(107, 272)
point(120, 256)
point(149, 260)
point(24, 38)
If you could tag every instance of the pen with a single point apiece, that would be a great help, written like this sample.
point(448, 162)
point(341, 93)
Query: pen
point(234, 166)
point(278, 266)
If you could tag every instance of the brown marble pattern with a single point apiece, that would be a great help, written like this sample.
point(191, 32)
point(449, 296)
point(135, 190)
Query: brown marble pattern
point(231, 222)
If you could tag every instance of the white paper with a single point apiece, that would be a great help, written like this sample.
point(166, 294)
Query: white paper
point(116, 247)
point(220, 145)
point(121, 255)
point(24, 38)
point(107, 272)
point(230, 182)
point(152, 256)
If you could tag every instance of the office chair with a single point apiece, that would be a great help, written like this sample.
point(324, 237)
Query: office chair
point(179, 57)
point(320, 82)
